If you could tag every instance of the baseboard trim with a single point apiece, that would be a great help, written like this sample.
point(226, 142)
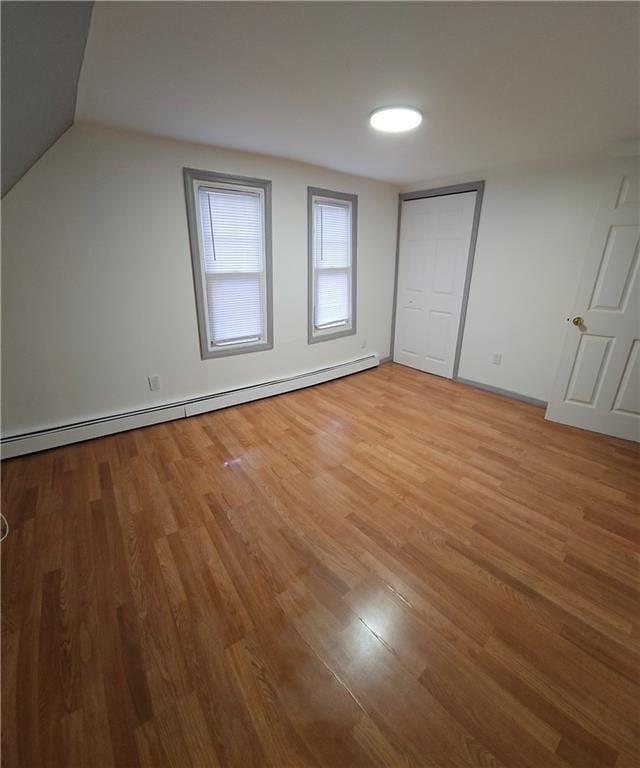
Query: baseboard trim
point(504, 392)
point(64, 434)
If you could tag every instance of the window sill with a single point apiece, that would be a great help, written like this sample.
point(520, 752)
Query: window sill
point(330, 334)
point(227, 350)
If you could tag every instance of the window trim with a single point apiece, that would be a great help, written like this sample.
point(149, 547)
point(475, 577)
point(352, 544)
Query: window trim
point(191, 178)
point(314, 335)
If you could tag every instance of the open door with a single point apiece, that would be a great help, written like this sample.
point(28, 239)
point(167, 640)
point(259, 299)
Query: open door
point(597, 386)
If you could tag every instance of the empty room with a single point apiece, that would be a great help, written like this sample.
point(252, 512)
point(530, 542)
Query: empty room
point(320, 384)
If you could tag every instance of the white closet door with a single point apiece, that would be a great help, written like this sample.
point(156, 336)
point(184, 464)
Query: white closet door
point(435, 235)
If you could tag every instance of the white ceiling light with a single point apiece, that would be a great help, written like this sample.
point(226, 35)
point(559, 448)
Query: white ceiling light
point(395, 119)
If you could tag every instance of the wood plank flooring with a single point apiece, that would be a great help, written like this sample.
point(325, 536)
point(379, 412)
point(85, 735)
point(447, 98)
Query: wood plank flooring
point(386, 570)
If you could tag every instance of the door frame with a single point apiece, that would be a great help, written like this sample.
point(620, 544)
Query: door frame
point(453, 189)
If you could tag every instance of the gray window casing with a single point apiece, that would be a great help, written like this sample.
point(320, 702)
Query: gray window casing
point(313, 336)
point(191, 176)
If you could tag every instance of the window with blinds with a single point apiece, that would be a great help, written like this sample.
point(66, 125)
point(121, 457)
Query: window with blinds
point(228, 221)
point(332, 237)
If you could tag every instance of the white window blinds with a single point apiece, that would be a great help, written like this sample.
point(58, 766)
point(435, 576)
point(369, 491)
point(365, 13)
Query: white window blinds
point(332, 252)
point(231, 224)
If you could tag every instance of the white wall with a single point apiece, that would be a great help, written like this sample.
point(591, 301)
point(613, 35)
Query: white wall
point(98, 288)
point(534, 228)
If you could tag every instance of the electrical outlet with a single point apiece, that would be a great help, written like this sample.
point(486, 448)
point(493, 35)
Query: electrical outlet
point(363, 344)
point(496, 358)
point(154, 383)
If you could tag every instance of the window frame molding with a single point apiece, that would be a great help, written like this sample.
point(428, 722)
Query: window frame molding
point(314, 336)
point(191, 177)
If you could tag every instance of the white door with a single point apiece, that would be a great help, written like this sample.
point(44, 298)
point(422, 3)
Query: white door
point(435, 235)
point(597, 386)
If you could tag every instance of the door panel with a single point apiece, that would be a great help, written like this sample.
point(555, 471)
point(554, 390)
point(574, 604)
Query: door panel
point(589, 368)
point(438, 336)
point(415, 266)
point(597, 386)
point(446, 262)
point(628, 397)
point(617, 268)
point(435, 236)
point(629, 190)
point(412, 324)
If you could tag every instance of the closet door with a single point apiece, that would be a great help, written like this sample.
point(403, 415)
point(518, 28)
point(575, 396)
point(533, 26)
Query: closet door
point(435, 235)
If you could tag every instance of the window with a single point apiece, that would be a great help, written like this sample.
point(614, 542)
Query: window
point(230, 231)
point(333, 218)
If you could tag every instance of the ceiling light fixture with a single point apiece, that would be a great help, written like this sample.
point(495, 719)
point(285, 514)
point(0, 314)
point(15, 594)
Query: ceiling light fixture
point(395, 119)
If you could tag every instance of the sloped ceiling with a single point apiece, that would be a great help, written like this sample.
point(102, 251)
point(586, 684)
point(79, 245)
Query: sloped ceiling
point(498, 82)
point(42, 49)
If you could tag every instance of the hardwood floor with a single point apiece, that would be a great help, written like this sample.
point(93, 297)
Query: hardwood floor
point(386, 570)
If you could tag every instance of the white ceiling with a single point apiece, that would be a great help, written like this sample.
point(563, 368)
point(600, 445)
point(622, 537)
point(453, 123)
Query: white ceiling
point(498, 82)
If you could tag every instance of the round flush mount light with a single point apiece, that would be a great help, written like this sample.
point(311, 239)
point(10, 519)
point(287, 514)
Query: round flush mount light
point(395, 119)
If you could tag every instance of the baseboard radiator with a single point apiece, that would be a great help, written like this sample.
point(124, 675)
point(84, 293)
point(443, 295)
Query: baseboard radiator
point(64, 434)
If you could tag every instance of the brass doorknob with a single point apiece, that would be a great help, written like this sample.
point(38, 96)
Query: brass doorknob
point(578, 321)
